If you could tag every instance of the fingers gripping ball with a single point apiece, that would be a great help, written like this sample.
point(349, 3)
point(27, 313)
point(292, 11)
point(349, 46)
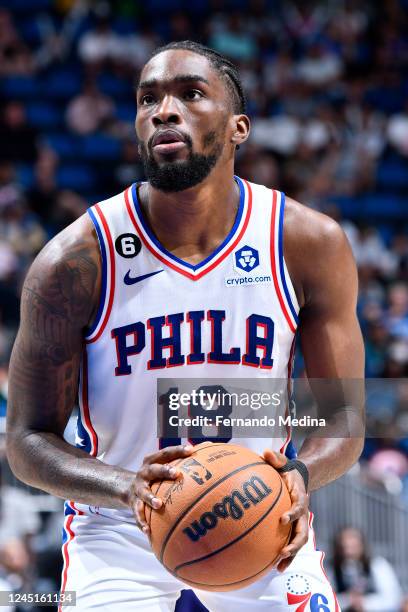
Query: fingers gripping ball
point(219, 527)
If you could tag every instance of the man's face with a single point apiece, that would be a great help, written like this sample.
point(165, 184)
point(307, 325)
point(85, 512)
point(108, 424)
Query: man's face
point(182, 123)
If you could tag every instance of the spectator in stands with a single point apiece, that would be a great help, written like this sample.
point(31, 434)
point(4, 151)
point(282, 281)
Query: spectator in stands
point(399, 248)
point(18, 227)
point(388, 467)
point(279, 73)
point(43, 194)
point(363, 583)
point(230, 37)
point(371, 251)
point(136, 48)
point(90, 111)
point(19, 522)
point(18, 138)
point(319, 67)
point(397, 131)
point(9, 262)
point(15, 56)
point(365, 130)
point(376, 342)
point(396, 317)
point(69, 207)
point(129, 168)
point(101, 46)
point(54, 46)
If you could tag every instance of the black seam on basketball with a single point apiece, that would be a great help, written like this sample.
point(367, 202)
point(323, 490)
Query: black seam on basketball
point(197, 499)
point(242, 535)
point(205, 584)
point(227, 584)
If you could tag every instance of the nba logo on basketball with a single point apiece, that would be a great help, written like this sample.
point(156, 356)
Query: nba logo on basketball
point(246, 259)
point(196, 470)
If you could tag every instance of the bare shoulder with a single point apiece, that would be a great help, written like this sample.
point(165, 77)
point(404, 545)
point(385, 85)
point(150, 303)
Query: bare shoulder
point(316, 248)
point(78, 236)
point(310, 228)
point(66, 273)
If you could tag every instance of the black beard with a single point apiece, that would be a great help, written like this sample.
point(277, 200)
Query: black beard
point(180, 175)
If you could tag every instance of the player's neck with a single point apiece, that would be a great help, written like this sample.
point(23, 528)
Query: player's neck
point(194, 222)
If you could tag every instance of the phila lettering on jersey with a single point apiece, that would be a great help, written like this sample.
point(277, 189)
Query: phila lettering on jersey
point(232, 316)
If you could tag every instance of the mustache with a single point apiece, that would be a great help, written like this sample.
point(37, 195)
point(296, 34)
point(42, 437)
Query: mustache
point(187, 139)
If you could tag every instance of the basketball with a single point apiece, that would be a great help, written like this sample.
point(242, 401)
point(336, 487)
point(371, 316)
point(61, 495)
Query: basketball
point(219, 527)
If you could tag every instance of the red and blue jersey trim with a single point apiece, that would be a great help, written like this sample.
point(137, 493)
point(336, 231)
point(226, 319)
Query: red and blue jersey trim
point(70, 511)
point(277, 261)
point(193, 272)
point(104, 272)
point(281, 261)
point(85, 430)
point(107, 273)
point(87, 433)
point(288, 448)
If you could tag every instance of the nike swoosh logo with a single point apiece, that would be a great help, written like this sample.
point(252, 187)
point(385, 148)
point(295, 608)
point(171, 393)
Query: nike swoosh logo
point(128, 280)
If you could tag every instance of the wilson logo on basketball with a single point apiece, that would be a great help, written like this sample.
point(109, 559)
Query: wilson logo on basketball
point(232, 506)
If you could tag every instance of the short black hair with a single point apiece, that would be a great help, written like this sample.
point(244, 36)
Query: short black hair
point(227, 70)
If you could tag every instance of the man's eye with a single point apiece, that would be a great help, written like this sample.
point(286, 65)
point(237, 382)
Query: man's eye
point(147, 99)
point(193, 94)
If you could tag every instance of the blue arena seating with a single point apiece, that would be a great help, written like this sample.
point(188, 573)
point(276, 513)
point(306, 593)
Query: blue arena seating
point(20, 87)
point(100, 147)
point(62, 84)
point(381, 206)
point(157, 6)
point(126, 112)
point(65, 145)
point(30, 31)
point(351, 207)
point(22, 6)
point(78, 178)
point(44, 115)
point(25, 175)
point(124, 26)
point(113, 86)
point(393, 175)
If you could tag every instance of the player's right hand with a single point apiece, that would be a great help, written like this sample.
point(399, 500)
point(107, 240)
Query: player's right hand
point(154, 467)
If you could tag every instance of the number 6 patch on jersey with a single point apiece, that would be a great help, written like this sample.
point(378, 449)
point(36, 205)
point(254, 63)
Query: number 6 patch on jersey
point(128, 245)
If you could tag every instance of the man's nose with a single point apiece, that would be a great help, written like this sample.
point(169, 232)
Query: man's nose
point(167, 112)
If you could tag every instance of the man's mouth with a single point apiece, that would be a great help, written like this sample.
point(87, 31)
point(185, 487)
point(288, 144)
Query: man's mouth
point(168, 141)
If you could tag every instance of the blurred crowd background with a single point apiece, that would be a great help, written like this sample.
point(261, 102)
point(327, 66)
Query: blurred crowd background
point(327, 89)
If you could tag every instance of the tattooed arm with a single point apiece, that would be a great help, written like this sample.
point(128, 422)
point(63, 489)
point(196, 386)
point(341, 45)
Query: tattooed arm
point(59, 299)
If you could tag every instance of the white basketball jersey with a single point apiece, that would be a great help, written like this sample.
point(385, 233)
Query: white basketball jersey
point(232, 316)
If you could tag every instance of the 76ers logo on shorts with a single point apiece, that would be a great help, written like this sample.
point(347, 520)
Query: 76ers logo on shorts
point(246, 259)
point(299, 595)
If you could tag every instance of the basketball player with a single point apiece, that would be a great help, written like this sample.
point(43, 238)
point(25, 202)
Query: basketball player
point(141, 287)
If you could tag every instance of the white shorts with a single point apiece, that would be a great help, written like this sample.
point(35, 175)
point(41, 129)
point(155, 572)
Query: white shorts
point(110, 566)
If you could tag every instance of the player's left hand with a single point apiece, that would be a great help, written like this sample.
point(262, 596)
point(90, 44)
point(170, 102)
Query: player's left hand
point(297, 513)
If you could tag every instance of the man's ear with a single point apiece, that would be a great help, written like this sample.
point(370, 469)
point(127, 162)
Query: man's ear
point(241, 129)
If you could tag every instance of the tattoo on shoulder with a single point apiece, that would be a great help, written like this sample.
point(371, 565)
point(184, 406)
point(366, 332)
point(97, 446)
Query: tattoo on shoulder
point(62, 302)
point(56, 305)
